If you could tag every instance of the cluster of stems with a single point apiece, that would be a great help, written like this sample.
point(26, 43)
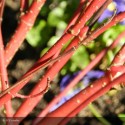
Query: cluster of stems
point(80, 32)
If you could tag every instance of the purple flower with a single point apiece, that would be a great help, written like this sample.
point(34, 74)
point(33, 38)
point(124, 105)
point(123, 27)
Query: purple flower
point(66, 80)
point(119, 5)
point(89, 77)
point(107, 13)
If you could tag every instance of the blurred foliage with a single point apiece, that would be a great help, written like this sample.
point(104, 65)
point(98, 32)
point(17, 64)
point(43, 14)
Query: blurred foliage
point(50, 25)
point(51, 22)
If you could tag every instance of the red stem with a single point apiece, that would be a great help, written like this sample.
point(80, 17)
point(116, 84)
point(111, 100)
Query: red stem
point(77, 78)
point(76, 14)
point(52, 72)
point(48, 75)
point(3, 71)
point(87, 93)
point(26, 22)
point(4, 78)
point(93, 97)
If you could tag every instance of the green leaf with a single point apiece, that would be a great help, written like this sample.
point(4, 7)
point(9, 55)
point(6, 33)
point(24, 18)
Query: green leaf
point(55, 16)
point(34, 37)
point(44, 51)
point(63, 4)
point(110, 56)
point(53, 40)
point(111, 34)
point(61, 25)
point(80, 58)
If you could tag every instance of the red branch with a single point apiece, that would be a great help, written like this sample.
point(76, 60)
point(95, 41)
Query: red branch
point(3, 71)
point(4, 98)
point(86, 94)
point(99, 93)
point(53, 71)
point(26, 22)
point(78, 78)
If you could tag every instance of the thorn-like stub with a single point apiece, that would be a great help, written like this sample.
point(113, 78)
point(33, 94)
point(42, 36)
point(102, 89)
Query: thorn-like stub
point(48, 85)
point(22, 14)
point(111, 77)
point(11, 94)
point(91, 86)
point(74, 48)
point(72, 31)
point(48, 79)
point(31, 11)
point(80, 38)
point(4, 111)
point(104, 84)
point(108, 69)
point(78, 101)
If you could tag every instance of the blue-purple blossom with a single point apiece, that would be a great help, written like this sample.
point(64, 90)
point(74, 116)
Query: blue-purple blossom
point(120, 7)
point(66, 79)
point(89, 77)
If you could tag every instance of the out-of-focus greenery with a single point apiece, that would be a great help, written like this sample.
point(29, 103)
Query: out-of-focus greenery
point(50, 25)
point(51, 22)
